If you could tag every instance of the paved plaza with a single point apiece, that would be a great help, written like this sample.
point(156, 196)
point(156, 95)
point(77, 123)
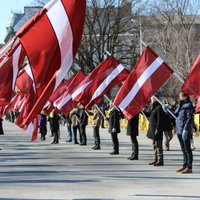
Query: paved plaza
point(44, 171)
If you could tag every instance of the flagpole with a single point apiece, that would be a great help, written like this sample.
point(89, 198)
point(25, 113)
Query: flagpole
point(168, 110)
point(178, 77)
point(100, 112)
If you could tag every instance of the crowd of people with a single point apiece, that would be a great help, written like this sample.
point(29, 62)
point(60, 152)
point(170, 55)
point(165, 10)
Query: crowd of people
point(163, 119)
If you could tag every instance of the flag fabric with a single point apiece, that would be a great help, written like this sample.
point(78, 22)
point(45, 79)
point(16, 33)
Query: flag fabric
point(66, 104)
point(56, 95)
point(191, 86)
point(8, 73)
point(51, 57)
point(110, 74)
point(197, 109)
point(144, 80)
point(79, 89)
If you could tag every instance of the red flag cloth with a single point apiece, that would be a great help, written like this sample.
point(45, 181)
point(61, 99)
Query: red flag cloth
point(86, 82)
point(110, 74)
point(144, 80)
point(51, 40)
point(8, 73)
point(65, 104)
point(197, 109)
point(191, 86)
point(56, 95)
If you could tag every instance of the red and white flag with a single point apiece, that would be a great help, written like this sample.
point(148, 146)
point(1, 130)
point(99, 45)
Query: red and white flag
point(197, 109)
point(66, 104)
point(110, 74)
point(78, 91)
point(145, 79)
point(8, 73)
point(191, 85)
point(51, 40)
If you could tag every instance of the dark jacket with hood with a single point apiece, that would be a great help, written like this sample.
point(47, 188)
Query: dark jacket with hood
point(156, 121)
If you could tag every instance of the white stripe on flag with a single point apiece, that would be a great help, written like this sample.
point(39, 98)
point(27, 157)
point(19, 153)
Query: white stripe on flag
point(15, 63)
point(29, 129)
point(64, 101)
point(107, 81)
point(29, 72)
point(62, 28)
point(140, 82)
point(79, 90)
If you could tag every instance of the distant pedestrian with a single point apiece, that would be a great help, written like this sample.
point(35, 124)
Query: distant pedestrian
point(43, 125)
point(83, 122)
point(114, 128)
point(1, 127)
point(96, 119)
point(55, 127)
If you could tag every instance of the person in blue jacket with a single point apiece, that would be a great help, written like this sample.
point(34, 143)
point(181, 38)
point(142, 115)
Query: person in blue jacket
point(183, 129)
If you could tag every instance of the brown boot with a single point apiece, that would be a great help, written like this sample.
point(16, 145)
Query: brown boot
point(180, 169)
point(186, 171)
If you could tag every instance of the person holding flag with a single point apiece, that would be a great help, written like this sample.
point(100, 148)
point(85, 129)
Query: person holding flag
point(114, 128)
point(183, 129)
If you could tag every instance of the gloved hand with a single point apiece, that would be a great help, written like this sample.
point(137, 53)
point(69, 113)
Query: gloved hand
point(184, 135)
point(164, 107)
point(113, 130)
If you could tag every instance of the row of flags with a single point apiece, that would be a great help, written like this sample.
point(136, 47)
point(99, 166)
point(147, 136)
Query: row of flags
point(36, 65)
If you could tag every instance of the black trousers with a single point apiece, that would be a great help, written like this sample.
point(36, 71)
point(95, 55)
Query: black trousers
point(134, 142)
point(96, 136)
point(115, 141)
point(83, 134)
point(186, 150)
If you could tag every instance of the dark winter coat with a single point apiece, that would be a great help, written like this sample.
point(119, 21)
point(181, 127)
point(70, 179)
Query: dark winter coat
point(55, 122)
point(168, 122)
point(156, 120)
point(132, 127)
point(114, 121)
point(83, 117)
point(184, 114)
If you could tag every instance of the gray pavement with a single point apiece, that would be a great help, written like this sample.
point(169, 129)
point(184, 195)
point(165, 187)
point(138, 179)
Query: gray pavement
point(41, 170)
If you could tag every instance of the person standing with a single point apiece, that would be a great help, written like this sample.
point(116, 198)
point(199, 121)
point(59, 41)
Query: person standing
point(69, 128)
point(55, 128)
point(155, 131)
point(96, 119)
point(1, 127)
point(133, 132)
point(73, 115)
point(114, 128)
point(83, 121)
point(43, 125)
point(167, 126)
point(183, 129)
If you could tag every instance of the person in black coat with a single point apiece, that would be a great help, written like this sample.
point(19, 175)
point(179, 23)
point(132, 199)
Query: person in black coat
point(168, 125)
point(155, 131)
point(114, 128)
point(55, 128)
point(132, 131)
point(1, 127)
point(83, 122)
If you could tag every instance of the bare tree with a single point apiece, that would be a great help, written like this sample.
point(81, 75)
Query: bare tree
point(109, 26)
point(174, 33)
